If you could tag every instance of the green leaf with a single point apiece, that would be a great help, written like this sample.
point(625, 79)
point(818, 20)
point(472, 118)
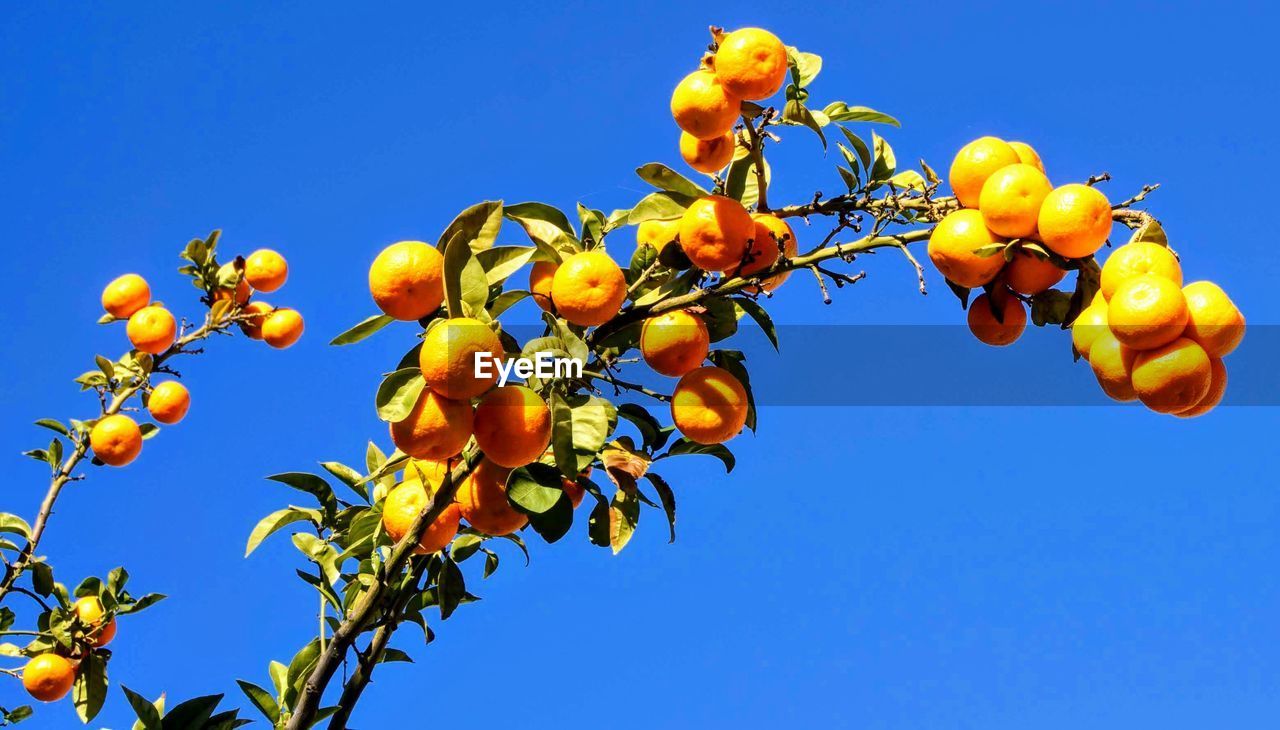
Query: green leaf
point(398, 393)
point(1151, 232)
point(683, 445)
point(452, 587)
point(534, 488)
point(300, 667)
point(42, 578)
point(961, 292)
point(275, 521)
point(543, 223)
point(908, 180)
point(363, 330)
point(501, 262)
point(740, 180)
point(668, 499)
point(1050, 307)
point(90, 688)
point(149, 430)
point(193, 713)
point(15, 524)
point(663, 205)
point(311, 484)
point(478, 226)
point(147, 713)
point(53, 425)
point(624, 515)
point(864, 152)
point(795, 112)
point(664, 178)
point(805, 67)
point(464, 279)
point(761, 317)
point(261, 699)
point(592, 224)
point(721, 318)
point(885, 163)
point(648, 426)
point(838, 111)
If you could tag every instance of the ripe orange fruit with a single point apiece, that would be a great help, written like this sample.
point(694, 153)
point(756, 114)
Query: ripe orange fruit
point(48, 677)
point(401, 508)
point(152, 329)
point(751, 63)
point(952, 246)
point(1213, 321)
point(1027, 155)
point(984, 325)
point(772, 228)
point(282, 328)
point(1089, 325)
point(265, 270)
point(257, 313)
point(1010, 199)
point(714, 232)
point(657, 233)
point(449, 355)
point(709, 405)
point(703, 107)
point(126, 295)
point(1140, 257)
point(1147, 311)
point(974, 163)
point(1173, 377)
point(169, 402)
point(575, 491)
point(91, 613)
point(116, 440)
point(1074, 220)
point(1112, 364)
point(675, 342)
point(483, 499)
point(769, 235)
point(1029, 274)
point(512, 426)
point(240, 292)
point(588, 289)
point(407, 280)
point(1217, 389)
point(707, 155)
point(436, 428)
point(428, 470)
point(540, 277)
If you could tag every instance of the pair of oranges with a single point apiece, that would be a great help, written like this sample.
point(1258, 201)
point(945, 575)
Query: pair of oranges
point(49, 677)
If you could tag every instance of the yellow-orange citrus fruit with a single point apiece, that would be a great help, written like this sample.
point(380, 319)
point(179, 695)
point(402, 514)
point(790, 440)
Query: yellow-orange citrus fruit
point(512, 426)
point(450, 353)
point(240, 292)
point(675, 342)
point(282, 328)
point(407, 280)
point(589, 288)
point(770, 233)
point(1029, 274)
point(714, 232)
point(265, 270)
point(984, 325)
point(256, 313)
point(1147, 311)
point(1074, 220)
point(483, 499)
point(974, 163)
point(709, 405)
point(952, 246)
point(1173, 377)
point(116, 440)
point(1010, 200)
point(540, 277)
point(703, 107)
point(1213, 319)
point(1140, 257)
point(91, 613)
point(1027, 155)
point(575, 491)
point(657, 233)
point(401, 508)
point(152, 329)
point(169, 402)
point(1217, 389)
point(1112, 364)
point(48, 677)
point(772, 228)
point(436, 428)
point(707, 155)
point(1089, 324)
point(751, 63)
point(126, 295)
point(433, 472)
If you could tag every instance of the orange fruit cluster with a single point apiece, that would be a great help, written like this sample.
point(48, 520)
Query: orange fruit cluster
point(49, 677)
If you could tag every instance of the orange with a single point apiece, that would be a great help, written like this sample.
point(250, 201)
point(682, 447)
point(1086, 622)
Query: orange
point(240, 292)
point(540, 277)
point(707, 155)
point(1027, 155)
point(89, 610)
point(675, 342)
point(1088, 326)
point(48, 677)
point(256, 313)
point(1140, 257)
point(512, 426)
point(265, 270)
point(1074, 220)
point(282, 328)
point(772, 228)
point(575, 491)
point(169, 402)
point(1112, 364)
point(952, 246)
point(1213, 319)
point(483, 498)
point(703, 107)
point(984, 325)
point(657, 233)
point(1173, 377)
point(450, 353)
point(767, 239)
point(709, 405)
point(1029, 274)
point(401, 508)
point(126, 295)
point(1010, 200)
point(751, 63)
point(1217, 389)
point(152, 329)
point(407, 280)
point(588, 289)
point(974, 163)
point(116, 440)
point(433, 472)
point(436, 428)
point(714, 232)
point(1147, 311)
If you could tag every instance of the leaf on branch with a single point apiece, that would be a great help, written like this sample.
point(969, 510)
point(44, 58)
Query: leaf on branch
point(15, 524)
point(664, 178)
point(683, 445)
point(838, 111)
point(662, 205)
point(261, 699)
point(478, 226)
point(311, 484)
point(624, 515)
point(277, 520)
point(398, 393)
point(623, 464)
point(668, 499)
point(758, 313)
point(500, 262)
point(805, 67)
point(90, 688)
point(544, 224)
point(362, 330)
point(147, 712)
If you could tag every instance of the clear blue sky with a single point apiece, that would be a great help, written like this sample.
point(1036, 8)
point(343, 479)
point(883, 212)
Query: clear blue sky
point(932, 567)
